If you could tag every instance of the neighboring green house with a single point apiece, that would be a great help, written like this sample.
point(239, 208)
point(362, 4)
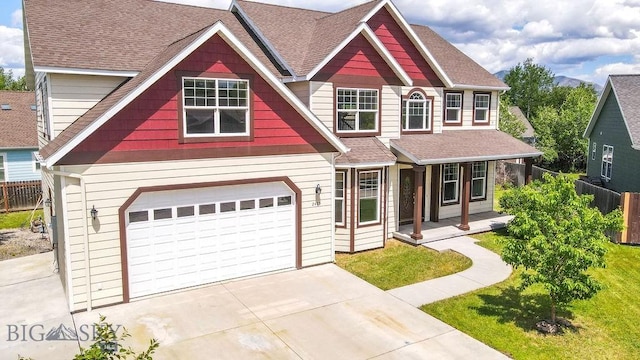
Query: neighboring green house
point(614, 135)
point(18, 137)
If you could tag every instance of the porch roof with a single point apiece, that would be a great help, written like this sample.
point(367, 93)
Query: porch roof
point(462, 146)
point(365, 152)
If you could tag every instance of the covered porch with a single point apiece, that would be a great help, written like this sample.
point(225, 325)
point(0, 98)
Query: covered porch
point(450, 228)
point(458, 194)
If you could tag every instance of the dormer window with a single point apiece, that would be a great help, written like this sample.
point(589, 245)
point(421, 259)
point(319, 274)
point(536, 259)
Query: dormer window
point(215, 107)
point(357, 110)
point(416, 113)
point(453, 108)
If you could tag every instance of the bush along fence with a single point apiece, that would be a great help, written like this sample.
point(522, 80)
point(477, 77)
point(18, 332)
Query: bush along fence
point(604, 199)
point(19, 195)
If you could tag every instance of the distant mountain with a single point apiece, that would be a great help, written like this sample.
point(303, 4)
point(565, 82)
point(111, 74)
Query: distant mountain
point(61, 333)
point(559, 80)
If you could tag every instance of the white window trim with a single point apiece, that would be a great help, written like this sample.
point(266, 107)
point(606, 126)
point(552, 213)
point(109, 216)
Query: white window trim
point(378, 193)
point(594, 150)
point(34, 162)
point(487, 109)
point(342, 221)
point(358, 111)
point(4, 169)
point(607, 158)
point(446, 108)
point(456, 181)
point(426, 117)
point(216, 112)
point(482, 178)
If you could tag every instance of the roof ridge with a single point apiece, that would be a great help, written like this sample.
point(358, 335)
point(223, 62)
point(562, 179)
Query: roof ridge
point(284, 6)
point(347, 9)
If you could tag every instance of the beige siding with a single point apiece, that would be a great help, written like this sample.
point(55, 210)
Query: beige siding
point(72, 95)
point(393, 197)
point(322, 102)
point(475, 207)
point(370, 236)
point(390, 113)
point(301, 90)
point(109, 186)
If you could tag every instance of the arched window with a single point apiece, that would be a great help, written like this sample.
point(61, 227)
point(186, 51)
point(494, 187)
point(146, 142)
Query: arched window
point(416, 113)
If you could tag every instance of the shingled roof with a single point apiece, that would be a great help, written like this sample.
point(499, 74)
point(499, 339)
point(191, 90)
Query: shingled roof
point(625, 89)
point(18, 123)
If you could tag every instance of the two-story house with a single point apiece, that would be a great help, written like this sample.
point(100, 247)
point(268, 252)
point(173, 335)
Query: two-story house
point(187, 145)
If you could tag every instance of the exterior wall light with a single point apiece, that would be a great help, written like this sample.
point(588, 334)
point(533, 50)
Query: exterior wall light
point(94, 212)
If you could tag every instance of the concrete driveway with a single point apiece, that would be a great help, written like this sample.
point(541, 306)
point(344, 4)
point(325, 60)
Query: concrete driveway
point(320, 312)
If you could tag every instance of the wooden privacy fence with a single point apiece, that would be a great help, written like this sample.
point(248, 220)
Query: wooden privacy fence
point(630, 205)
point(19, 195)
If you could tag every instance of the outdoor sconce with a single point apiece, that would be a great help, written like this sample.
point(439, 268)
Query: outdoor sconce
point(47, 203)
point(94, 212)
point(318, 191)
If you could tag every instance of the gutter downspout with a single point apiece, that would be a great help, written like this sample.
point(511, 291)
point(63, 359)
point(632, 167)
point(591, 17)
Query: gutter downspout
point(85, 227)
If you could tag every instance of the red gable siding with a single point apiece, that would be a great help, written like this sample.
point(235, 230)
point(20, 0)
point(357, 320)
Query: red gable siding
point(358, 59)
point(151, 121)
point(402, 49)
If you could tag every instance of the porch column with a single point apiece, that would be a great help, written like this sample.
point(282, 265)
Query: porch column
point(466, 195)
point(418, 201)
point(528, 170)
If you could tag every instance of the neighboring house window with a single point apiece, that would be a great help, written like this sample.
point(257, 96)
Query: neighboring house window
point(3, 167)
point(357, 110)
point(479, 180)
point(43, 94)
point(481, 104)
point(339, 197)
point(369, 197)
point(36, 163)
point(453, 108)
point(593, 150)
point(607, 161)
point(416, 113)
point(215, 107)
point(450, 183)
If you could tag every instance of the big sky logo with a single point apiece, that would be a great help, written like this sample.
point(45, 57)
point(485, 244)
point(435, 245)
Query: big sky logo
point(37, 332)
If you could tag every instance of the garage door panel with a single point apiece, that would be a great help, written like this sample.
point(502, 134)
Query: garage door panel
point(190, 237)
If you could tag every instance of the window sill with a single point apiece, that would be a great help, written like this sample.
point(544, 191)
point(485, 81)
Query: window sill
point(214, 139)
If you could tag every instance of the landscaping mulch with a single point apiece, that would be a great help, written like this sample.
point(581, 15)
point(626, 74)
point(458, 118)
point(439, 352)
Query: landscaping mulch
point(22, 242)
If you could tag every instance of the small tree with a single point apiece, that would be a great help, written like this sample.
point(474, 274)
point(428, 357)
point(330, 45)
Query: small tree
point(509, 123)
point(557, 237)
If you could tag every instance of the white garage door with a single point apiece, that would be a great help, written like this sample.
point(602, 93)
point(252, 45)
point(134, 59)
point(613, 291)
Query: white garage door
point(182, 238)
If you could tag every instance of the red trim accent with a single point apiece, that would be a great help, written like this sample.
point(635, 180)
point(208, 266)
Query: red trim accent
point(123, 230)
point(352, 213)
point(444, 108)
point(356, 86)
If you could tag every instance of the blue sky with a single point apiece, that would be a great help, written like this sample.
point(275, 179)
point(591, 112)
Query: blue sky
point(585, 39)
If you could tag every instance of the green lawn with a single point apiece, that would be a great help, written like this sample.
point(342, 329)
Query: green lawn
point(502, 317)
point(17, 219)
point(399, 264)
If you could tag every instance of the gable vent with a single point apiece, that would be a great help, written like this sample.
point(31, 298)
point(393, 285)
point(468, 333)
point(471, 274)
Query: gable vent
point(5, 107)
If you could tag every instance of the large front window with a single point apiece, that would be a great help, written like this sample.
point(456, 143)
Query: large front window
point(479, 180)
point(481, 108)
point(357, 110)
point(339, 197)
point(416, 113)
point(369, 197)
point(215, 107)
point(453, 108)
point(450, 183)
point(607, 162)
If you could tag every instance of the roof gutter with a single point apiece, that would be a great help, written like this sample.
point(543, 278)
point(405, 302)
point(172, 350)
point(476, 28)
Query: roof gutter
point(364, 165)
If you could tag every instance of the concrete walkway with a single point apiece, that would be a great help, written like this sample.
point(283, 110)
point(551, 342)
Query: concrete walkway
point(487, 269)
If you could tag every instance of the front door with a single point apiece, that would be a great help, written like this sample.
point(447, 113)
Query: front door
point(407, 187)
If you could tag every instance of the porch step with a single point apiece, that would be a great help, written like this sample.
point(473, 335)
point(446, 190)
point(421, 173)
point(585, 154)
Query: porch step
point(452, 231)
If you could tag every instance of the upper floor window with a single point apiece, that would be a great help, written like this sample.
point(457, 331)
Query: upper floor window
point(215, 107)
point(416, 113)
point(453, 108)
point(479, 180)
point(35, 162)
point(357, 110)
point(450, 183)
point(43, 103)
point(481, 104)
point(607, 162)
